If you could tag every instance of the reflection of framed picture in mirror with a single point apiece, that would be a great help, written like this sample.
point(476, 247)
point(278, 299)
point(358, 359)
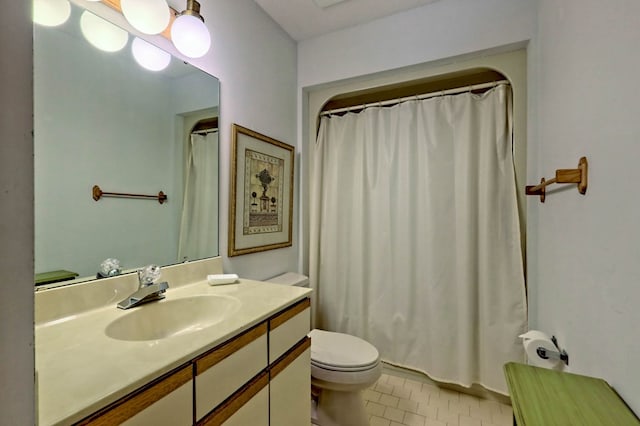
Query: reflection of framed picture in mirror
point(261, 204)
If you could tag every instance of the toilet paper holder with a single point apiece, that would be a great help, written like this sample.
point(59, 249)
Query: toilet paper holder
point(545, 353)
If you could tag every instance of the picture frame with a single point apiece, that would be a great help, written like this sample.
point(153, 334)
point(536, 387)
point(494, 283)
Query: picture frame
point(261, 193)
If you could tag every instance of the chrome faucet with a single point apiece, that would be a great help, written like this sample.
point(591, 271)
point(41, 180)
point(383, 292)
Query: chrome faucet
point(148, 289)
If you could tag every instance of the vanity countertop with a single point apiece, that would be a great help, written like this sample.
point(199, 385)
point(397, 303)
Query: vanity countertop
point(80, 369)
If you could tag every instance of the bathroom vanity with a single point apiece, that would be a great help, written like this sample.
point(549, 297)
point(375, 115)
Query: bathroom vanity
point(235, 354)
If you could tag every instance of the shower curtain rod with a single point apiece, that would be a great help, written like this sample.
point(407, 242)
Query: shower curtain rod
point(204, 132)
point(416, 97)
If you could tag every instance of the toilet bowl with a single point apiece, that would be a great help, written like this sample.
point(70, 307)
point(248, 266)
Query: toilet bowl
point(342, 366)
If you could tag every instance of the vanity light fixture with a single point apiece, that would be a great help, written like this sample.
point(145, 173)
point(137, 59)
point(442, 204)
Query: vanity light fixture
point(51, 13)
point(189, 34)
point(147, 16)
point(102, 34)
point(149, 56)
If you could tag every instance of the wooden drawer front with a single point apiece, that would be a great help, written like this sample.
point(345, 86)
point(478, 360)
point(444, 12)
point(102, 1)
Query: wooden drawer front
point(227, 368)
point(288, 328)
point(290, 387)
point(248, 406)
point(170, 394)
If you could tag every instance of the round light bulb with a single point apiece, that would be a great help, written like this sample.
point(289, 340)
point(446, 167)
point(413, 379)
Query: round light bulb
point(102, 34)
point(146, 16)
point(51, 13)
point(190, 36)
point(149, 56)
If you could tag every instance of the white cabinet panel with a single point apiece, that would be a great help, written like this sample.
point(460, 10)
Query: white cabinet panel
point(290, 389)
point(254, 412)
point(175, 409)
point(237, 367)
point(288, 328)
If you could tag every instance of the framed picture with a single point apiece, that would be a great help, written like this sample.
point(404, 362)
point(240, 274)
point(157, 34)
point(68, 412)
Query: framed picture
point(261, 204)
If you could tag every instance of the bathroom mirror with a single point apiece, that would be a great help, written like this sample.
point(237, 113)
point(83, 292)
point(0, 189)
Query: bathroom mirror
point(101, 119)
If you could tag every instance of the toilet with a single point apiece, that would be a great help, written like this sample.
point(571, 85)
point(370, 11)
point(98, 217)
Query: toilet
point(342, 366)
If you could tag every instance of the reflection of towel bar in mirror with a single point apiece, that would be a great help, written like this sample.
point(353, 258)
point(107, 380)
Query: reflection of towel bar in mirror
point(99, 193)
point(578, 176)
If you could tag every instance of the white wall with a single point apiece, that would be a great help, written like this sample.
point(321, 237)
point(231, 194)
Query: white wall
point(583, 261)
point(16, 217)
point(256, 63)
point(434, 32)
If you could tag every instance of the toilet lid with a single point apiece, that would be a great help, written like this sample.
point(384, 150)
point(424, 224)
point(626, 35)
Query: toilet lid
point(341, 352)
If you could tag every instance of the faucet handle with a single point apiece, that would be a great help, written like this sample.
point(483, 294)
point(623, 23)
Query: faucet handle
point(148, 275)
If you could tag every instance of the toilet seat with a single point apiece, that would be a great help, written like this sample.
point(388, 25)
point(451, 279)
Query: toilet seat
point(342, 366)
point(342, 352)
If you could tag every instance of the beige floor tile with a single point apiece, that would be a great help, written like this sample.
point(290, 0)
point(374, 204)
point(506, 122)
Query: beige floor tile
point(374, 409)
point(482, 412)
point(383, 387)
point(458, 407)
point(371, 395)
point(469, 421)
point(379, 421)
point(393, 414)
point(493, 406)
point(502, 419)
point(448, 417)
point(420, 397)
point(469, 400)
point(449, 394)
point(383, 378)
point(506, 409)
point(388, 400)
point(408, 405)
point(413, 385)
point(441, 403)
point(430, 389)
point(400, 401)
point(428, 411)
point(411, 419)
point(395, 381)
point(401, 392)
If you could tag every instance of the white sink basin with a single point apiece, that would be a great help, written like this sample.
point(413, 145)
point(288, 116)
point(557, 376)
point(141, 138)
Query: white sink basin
point(172, 317)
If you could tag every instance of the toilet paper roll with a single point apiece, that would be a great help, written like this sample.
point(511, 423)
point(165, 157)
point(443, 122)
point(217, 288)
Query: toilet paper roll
point(535, 339)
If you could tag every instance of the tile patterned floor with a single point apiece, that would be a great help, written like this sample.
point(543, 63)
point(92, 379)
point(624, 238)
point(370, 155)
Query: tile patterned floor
point(399, 401)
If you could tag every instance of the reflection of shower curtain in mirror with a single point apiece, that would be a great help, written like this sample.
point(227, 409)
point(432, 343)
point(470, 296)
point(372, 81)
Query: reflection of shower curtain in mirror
point(199, 224)
point(415, 240)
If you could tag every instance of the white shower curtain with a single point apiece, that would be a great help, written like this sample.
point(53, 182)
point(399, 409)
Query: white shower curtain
point(199, 223)
point(415, 242)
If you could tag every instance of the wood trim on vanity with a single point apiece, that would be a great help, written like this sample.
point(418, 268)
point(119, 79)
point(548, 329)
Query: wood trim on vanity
point(286, 359)
point(236, 401)
point(217, 354)
point(137, 401)
point(291, 312)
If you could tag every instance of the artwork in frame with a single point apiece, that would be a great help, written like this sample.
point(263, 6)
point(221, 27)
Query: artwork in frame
point(261, 202)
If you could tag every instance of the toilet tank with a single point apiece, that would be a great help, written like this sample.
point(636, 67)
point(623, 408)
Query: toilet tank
point(290, 278)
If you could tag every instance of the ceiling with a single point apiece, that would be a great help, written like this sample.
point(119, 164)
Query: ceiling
point(304, 19)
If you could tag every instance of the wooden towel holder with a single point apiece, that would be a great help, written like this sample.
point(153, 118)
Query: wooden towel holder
point(578, 176)
point(98, 193)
